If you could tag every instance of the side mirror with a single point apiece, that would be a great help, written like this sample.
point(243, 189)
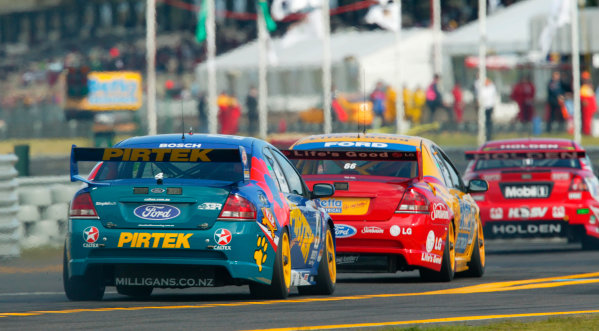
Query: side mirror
point(322, 191)
point(478, 186)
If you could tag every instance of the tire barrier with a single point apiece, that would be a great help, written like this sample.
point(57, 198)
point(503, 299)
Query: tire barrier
point(44, 209)
point(10, 230)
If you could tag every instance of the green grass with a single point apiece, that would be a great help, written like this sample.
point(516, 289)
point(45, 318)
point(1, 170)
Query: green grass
point(586, 322)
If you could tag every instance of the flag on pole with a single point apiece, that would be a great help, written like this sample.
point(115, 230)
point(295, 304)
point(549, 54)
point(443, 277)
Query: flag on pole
point(308, 27)
point(201, 28)
point(385, 14)
point(270, 24)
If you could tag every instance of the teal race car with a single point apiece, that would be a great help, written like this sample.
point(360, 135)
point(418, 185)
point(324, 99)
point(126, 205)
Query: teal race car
point(180, 211)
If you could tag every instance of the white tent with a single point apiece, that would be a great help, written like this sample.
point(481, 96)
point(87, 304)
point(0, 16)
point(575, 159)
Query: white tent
point(508, 30)
point(295, 83)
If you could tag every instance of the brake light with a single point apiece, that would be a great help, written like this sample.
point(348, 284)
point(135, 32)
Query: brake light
point(82, 206)
point(238, 207)
point(413, 202)
point(578, 184)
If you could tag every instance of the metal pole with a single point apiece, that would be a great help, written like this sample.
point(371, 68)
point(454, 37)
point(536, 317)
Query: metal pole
point(326, 66)
point(399, 110)
point(262, 82)
point(482, 67)
point(151, 65)
point(437, 35)
point(575, 70)
point(211, 53)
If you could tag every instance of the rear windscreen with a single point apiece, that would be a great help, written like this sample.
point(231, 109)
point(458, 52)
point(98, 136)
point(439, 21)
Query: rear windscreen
point(223, 171)
point(402, 169)
point(527, 163)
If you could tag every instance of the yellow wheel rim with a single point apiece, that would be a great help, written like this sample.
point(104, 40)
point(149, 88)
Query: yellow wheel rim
point(286, 259)
point(331, 263)
point(481, 245)
point(451, 248)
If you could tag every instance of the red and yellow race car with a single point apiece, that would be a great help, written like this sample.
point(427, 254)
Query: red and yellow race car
point(537, 188)
point(399, 204)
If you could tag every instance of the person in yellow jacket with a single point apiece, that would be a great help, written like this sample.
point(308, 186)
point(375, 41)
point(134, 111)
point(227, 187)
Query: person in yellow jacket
point(417, 100)
point(390, 111)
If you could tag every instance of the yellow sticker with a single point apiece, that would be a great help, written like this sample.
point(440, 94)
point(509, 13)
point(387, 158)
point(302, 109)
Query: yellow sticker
point(154, 240)
point(346, 206)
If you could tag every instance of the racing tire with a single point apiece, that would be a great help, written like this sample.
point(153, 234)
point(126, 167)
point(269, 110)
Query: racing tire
point(590, 243)
point(281, 273)
point(139, 292)
point(447, 271)
point(327, 271)
point(81, 288)
point(476, 266)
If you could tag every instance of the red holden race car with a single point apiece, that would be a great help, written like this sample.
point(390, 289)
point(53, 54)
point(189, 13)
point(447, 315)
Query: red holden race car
point(537, 188)
point(399, 204)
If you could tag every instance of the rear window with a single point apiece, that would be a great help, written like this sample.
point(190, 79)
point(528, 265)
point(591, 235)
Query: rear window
point(403, 169)
point(527, 163)
point(222, 171)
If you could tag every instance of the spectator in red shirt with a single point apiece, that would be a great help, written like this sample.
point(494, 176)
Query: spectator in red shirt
point(523, 94)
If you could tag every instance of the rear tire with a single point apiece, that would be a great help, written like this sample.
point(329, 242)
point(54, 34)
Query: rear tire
point(281, 273)
point(447, 271)
point(476, 266)
point(327, 271)
point(139, 292)
point(81, 288)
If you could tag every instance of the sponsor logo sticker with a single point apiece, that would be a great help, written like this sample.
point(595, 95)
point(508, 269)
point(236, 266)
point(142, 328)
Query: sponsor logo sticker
point(542, 228)
point(105, 203)
point(575, 195)
point(165, 282)
point(560, 176)
point(344, 231)
point(496, 213)
point(430, 241)
point(354, 144)
point(395, 231)
point(223, 238)
point(528, 191)
point(157, 190)
point(558, 211)
point(156, 212)
point(439, 212)
point(432, 258)
point(525, 212)
point(210, 206)
point(154, 240)
point(372, 229)
point(90, 236)
point(347, 259)
point(180, 145)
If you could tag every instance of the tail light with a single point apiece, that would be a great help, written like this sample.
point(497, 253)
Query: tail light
point(82, 206)
point(238, 208)
point(413, 202)
point(578, 184)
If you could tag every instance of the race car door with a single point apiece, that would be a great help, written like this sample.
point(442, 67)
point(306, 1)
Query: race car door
point(466, 209)
point(304, 218)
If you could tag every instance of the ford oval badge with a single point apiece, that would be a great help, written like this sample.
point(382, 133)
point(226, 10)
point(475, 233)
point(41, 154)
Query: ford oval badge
point(156, 212)
point(344, 231)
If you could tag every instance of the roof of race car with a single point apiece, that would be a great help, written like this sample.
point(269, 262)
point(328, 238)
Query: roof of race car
point(529, 144)
point(399, 142)
point(190, 141)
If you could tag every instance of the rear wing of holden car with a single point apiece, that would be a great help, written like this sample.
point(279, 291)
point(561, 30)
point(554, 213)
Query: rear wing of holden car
point(366, 155)
point(154, 155)
point(525, 154)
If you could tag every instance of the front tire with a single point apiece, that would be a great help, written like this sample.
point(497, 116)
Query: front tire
point(476, 266)
point(81, 288)
point(327, 271)
point(281, 274)
point(447, 271)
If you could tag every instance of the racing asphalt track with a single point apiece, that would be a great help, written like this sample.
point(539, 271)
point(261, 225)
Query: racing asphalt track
point(522, 280)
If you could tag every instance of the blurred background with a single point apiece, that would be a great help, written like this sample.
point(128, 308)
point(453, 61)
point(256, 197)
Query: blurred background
point(76, 72)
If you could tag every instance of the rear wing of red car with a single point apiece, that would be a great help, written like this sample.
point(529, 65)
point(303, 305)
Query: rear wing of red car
point(366, 155)
point(155, 155)
point(525, 154)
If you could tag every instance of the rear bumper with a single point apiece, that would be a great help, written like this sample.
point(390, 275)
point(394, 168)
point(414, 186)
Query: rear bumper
point(196, 249)
point(540, 218)
point(406, 242)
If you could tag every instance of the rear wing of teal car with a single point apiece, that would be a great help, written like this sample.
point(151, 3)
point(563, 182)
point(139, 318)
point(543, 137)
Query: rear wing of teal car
point(155, 155)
